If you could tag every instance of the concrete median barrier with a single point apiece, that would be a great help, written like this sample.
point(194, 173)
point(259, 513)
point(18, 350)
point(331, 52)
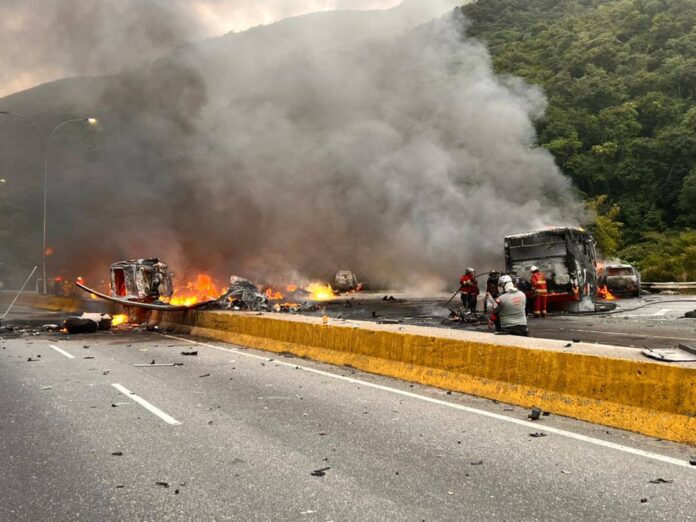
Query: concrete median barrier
point(612, 386)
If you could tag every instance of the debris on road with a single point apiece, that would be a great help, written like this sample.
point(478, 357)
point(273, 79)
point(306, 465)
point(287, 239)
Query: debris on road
point(204, 375)
point(675, 355)
point(537, 434)
point(320, 472)
point(191, 354)
point(33, 359)
point(153, 365)
point(660, 481)
point(117, 454)
point(692, 461)
point(535, 414)
point(478, 463)
point(163, 484)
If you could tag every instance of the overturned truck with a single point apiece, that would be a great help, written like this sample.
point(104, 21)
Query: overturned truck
point(567, 257)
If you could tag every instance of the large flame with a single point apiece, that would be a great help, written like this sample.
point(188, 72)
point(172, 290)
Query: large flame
point(203, 288)
point(320, 292)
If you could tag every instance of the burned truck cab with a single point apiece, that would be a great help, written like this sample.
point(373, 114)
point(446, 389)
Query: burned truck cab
point(568, 259)
point(141, 280)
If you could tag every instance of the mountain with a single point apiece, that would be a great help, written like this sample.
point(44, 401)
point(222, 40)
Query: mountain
point(620, 77)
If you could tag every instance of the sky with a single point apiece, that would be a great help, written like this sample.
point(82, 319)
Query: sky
point(45, 40)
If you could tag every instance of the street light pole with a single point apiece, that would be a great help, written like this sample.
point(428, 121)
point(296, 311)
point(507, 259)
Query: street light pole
point(46, 140)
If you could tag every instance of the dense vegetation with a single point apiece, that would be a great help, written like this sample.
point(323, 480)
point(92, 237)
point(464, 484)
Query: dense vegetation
point(620, 77)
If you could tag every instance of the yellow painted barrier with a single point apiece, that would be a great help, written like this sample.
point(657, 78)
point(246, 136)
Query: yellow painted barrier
point(649, 398)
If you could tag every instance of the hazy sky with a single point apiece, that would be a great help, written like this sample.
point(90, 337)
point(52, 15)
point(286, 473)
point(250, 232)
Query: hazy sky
point(45, 40)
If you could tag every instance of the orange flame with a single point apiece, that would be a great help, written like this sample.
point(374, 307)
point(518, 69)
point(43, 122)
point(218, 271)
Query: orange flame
point(118, 320)
point(320, 292)
point(604, 293)
point(204, 288)
point(273, 295)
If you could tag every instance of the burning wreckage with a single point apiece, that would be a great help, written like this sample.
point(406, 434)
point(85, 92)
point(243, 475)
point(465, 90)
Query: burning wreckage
point(144, 285)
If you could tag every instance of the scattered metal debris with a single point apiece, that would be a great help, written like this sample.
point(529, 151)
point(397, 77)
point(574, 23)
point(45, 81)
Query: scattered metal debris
point(204, 375)
point(660, 481)
point(163, 484)
point(320, 472)
point(478, 463)
point(537, 434)
point(117, 454)
point(535, 414)
point(191, 354)
point(675, 355)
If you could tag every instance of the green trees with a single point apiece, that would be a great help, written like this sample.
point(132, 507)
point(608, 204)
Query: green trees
point(620, 76)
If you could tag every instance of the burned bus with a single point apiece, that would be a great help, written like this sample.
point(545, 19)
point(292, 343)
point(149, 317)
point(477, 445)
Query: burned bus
point(568, 258)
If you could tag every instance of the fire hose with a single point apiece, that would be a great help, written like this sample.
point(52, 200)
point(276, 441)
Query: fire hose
point(455, 293)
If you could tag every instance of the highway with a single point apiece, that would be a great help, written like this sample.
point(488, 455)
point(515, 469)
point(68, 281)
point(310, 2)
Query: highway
point(237, 434)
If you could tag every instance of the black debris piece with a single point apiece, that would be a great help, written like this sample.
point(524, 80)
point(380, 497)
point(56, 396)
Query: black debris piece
point(320, 472)
point(78, 325)
point(692, 461)
point(32, 359)
point(204, 375)
point(643, 500)
point(117, 454)
point(191, 354)
point(537, 434)
point(660, 481)
point(577, 341)
point(120, 486)
point(88, 357)
point(86, 347)
point(478, 463)
point(535, 414)
point(176, 491)
point(153, 361)
point(163, 484)
point(690, 315)
point(449, 393)
point(568, 345)
point(374, 314)
point(546, 413)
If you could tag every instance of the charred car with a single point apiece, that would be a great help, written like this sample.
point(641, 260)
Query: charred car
point(346, 281)
point(141, 280)
point(621, 280)
point(567, 257)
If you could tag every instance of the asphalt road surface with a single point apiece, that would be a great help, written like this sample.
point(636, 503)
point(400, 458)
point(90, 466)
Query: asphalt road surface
point(238, 434)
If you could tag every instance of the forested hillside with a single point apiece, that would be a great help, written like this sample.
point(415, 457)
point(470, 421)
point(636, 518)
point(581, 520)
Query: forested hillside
point(620, 77)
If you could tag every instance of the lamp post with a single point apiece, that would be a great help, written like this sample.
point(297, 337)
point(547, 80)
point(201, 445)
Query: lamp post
point(46, 140)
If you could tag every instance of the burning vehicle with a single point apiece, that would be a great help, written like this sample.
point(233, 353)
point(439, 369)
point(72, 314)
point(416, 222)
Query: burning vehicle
point(346, 281)
point(142, 280)
point(621, 280)
point(567, 257)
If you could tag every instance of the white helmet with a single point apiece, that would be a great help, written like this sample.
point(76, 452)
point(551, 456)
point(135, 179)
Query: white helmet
point(470, 270)
point(534, 269)
point(504, 279)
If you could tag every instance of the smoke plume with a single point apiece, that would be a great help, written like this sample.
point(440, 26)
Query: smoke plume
point(360, 141)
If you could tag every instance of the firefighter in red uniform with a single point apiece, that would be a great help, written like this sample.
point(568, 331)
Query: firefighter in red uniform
point(540, 292)
point(469, 289)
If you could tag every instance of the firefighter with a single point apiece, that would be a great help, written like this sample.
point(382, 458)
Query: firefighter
point(509, 313)
point(540, 292)
point(469, 289)
point(492, 292)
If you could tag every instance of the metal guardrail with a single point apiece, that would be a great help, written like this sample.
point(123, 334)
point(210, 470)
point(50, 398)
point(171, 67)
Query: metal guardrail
point(669, 286)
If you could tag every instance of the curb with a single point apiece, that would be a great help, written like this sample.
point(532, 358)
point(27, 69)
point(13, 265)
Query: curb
point(645, 397)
